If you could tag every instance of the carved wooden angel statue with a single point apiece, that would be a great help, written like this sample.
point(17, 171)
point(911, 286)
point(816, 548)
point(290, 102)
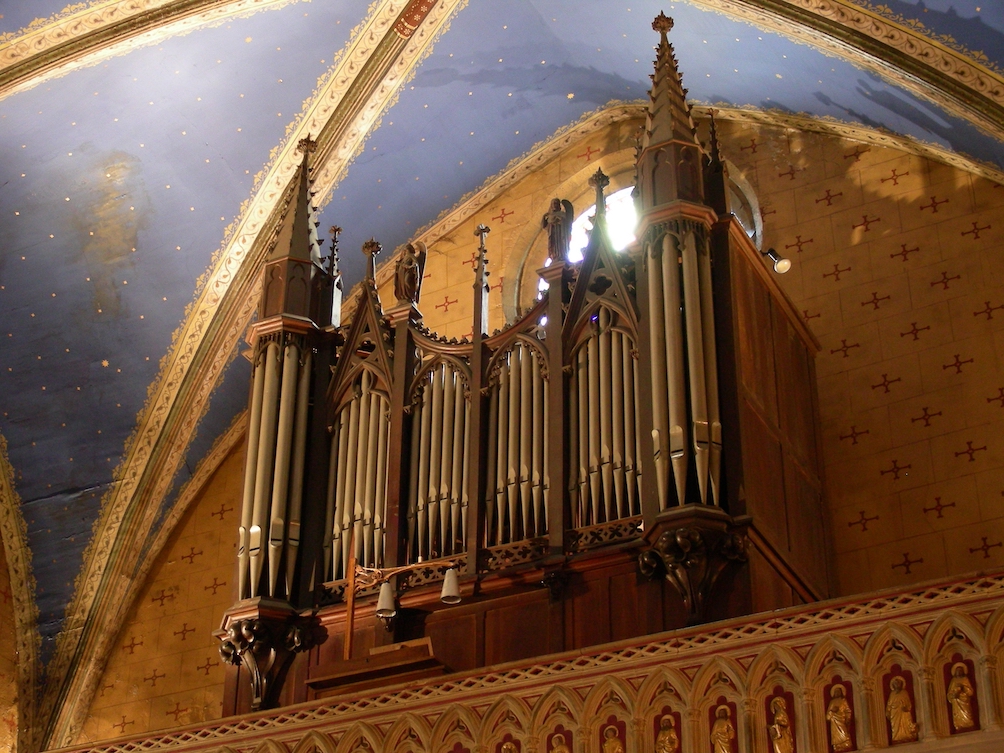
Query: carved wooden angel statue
point(409, 273)
point(558, 223)
point(839, 714)
point(780, 729)
point(667, 741)
point(722, 731)
point(960, 694)
point(899, 710)
point(558, 744)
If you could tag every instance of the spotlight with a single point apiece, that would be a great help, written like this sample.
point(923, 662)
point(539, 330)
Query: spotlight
point(781, 265)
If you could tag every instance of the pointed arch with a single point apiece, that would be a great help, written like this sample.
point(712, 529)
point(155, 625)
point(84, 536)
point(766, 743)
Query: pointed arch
point(941, 631)
point(507, 714)
point(881, 642)
point(550, 704)
point(315, 742)
point(270, 746)
point(360, 738)
point(719, 671)
point(408, 727)
point(764, 667)
point(457, 724)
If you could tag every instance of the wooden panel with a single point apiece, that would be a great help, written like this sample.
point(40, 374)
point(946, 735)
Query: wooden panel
point(764, 478)
point(454, 639)
point(769, 589)
point(795, 386)
point(518, 631)
point(808, 543)
point(635, 606)
point(755, 342)
point(591, 609)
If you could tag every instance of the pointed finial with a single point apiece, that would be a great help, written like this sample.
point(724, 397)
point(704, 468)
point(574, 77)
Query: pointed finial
point(307, 145)
point(371, 248)
point(714, 146)
point(599, 181)
point(333, 259)
point(662, 23)
point(482, 271)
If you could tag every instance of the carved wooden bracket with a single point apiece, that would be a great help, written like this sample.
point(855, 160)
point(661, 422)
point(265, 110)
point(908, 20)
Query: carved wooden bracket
point(692, 558)
point(265, 644)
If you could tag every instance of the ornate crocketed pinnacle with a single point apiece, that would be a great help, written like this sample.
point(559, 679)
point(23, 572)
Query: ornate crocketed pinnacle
point(306, 145)
point(662, 23)
point(598, 181)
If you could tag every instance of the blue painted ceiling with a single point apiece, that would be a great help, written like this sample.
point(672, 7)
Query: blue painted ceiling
point(117, 181)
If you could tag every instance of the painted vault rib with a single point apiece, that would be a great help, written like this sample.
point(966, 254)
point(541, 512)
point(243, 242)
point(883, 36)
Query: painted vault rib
point(343, 111)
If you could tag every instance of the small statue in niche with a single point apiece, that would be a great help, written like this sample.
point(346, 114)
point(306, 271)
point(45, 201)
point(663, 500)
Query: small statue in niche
point(780, 729)
point(558, 223)
point(509, 747)
point(558, 744)
point(722, 731)
point(612, 741)
point(960, 694)
point(667, 741)
point(899, 710)
point(839, 714)
point(409, 273)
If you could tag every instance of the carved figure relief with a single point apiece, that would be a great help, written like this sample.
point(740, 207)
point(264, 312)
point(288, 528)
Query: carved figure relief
point(667, 740)
point(899, 712)
point(838, 718)
point(612, 742)
point(780, 727)
point(723, 732)
point(558, 224)
point(960, 698)
point(559, 744)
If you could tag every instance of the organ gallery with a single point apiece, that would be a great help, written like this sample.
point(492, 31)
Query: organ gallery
point(543, 479)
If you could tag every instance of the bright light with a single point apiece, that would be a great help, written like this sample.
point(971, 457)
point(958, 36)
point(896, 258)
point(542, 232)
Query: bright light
point(621, 222)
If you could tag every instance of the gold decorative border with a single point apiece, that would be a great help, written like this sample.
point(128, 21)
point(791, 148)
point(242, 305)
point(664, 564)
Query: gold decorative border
point(114, 622)
point(14, 533)
point(86, 34)
point(886, 12)
point(963, 87)
point(345, 108)
point(854, 132)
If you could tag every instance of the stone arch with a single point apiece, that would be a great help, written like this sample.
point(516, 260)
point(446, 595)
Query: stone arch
point(409, 733)
point(360, 738)
point(721, 681)
point(557, 706)
point(271, 746)
point(836, 656)
point(777, 668)
point(890, 646)
point(508, 715)
point(315, 742)
point(609, 698)
point(670, 688)
point(457, 725)
point(956, 637)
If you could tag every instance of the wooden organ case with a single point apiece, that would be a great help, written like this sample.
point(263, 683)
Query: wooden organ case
point(634, 453)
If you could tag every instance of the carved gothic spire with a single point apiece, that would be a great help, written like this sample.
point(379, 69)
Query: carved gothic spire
point(669, 159)
point(297, 236)
point(669, 117)
point(716, 174)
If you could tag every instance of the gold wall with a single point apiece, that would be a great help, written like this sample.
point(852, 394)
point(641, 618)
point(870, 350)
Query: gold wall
point(8, 662)
point(166, 669)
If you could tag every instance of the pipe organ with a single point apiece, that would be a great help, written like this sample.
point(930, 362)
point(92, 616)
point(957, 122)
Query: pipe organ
point(603, 444)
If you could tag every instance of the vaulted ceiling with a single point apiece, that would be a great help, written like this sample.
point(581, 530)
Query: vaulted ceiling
point(146, 143)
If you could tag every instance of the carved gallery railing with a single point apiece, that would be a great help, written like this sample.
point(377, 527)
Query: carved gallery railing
point(896, 667)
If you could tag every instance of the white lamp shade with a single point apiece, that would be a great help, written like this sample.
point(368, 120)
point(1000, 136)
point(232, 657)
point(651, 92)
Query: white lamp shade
point(451, 588)
point(385, 603)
